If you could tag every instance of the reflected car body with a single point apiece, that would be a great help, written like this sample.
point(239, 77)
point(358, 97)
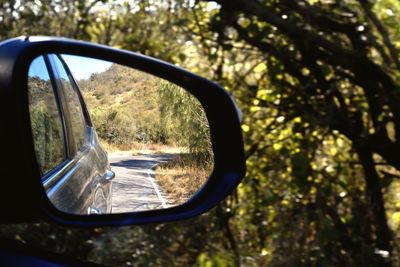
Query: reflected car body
point(75, 169)
point(82, 185)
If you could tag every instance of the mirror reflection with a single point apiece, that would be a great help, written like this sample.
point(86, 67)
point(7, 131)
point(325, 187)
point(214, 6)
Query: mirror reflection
point(112, 139)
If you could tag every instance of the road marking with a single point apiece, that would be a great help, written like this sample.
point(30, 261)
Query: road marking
point(164, 205)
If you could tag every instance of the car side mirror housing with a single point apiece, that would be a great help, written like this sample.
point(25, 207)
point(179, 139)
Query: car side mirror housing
point(27, 196)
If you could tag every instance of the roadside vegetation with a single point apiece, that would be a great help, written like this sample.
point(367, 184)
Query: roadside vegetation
point(182, 177)
point(45, 125)
point(183, 116)
point(124, 107)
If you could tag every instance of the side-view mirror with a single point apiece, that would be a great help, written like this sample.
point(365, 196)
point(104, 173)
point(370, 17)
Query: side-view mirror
point(96, 136)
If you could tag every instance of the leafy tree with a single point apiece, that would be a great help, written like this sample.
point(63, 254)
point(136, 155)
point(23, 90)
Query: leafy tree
point(184, 117)
point(322, 82)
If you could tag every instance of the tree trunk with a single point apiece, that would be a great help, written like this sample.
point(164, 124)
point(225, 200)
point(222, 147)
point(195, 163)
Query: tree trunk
point(383, 238)
point(224, 224)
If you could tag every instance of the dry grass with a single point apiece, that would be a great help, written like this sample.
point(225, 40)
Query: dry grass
point(180, 180)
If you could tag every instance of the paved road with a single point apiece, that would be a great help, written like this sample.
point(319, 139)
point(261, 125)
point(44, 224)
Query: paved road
point(134, 186)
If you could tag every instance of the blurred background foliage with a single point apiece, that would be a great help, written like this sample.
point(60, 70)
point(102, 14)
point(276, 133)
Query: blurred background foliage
point(318, 82)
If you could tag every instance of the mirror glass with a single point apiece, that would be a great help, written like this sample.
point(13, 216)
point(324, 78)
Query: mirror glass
point(112, 139)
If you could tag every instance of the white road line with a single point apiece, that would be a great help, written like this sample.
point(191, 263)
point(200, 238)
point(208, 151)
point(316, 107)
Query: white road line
point(163, 203)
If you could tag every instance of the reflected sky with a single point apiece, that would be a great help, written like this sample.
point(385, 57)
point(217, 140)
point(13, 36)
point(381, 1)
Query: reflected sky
point(38, 69)
point(83, 67)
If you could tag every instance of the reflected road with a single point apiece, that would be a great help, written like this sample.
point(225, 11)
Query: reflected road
point(134, 186)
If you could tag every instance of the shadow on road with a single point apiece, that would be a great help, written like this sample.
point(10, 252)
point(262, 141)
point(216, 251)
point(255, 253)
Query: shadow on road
point(134, 186)
point(140, 163)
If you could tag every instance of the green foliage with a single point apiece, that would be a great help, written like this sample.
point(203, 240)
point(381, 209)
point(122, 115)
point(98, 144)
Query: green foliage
point(124, 106)
point(129, 106)
point(183, 116)
point(221, 259)
point(309, 116)
point(46, 124)
point(49, 148)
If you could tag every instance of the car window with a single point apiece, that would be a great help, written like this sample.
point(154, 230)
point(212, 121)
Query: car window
point(75, 120)
point(45, 118)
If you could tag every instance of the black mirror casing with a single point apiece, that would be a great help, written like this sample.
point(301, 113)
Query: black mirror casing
point(23, 197)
